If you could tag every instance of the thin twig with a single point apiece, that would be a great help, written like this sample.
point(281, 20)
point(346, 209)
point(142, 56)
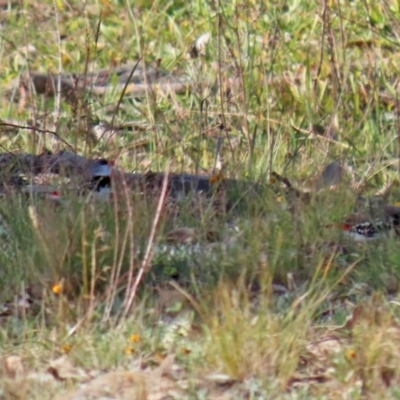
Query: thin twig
point(131, 291)
point(34, 128)
point(123, 91)
point(115, 277)
point(57, 103)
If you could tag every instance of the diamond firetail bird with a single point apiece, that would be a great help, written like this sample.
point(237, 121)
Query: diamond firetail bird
point(363, 228)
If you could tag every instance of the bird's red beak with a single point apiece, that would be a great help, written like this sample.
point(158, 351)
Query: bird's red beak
point(54, 195)
point(345, 227)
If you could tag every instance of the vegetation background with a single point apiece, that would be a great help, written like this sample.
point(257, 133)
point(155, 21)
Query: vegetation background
point(282, 306)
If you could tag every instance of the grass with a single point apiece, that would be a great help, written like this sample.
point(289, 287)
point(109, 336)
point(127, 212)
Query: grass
point(290, 87)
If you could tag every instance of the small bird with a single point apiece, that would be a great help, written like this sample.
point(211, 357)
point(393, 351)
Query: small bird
point(98, 178)
point(363, 228)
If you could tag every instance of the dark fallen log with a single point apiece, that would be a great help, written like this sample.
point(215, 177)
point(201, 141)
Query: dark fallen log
point(63, 162)
point(136, 80)
point(80, 169)
point(225, 193)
